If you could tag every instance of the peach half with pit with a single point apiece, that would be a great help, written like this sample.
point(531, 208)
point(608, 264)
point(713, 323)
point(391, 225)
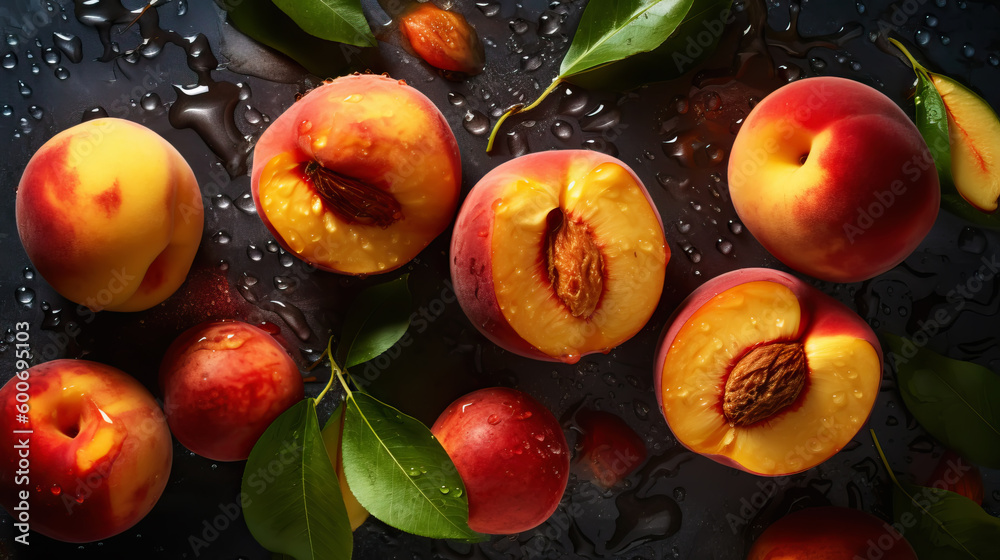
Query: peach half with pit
point(110, 214)
point(223, 384)
point(358, 176)
point(559, 254)
point(833, 179)
point(92, 456)
point(511, 454)
point(762, 372)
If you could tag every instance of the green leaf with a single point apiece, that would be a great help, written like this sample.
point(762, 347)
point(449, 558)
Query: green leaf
point(342, 21)
point(611, 30)
point(932, 122)
point(943, 525)
point(293, 503)
point(956, 402)
point(263, 22)
point(377, 320)
point(400, 473)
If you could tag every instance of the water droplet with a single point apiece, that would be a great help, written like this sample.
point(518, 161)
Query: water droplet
point(24, 89)
point(489, 9)
point(221, 201)
point(724, 246)
point(549, 23)
point(945, 40)
point(445, 490)
point(413, 472)
point(283, 282)
point(562, 129)
point(524, 415)
point(7, 110)
point(25, 295)
point(517, 143)
point(245, 203)
point(36, 112)
point(972, 240)
point(253, 116)
point(56, 490)
point(221, 237)
point(12, 40)
point(994, 60)
point(28, 273)
point(540, 437)
point(61, 73)
point(922, 37)
point(51, 56)
point(254, 253)
point(79, 499)
point(150, 102)
point(968, 51)
point(9, 60)
point(457, 492)
point(692, 254)
point(891, 421)
point(493, 420)
point(70, 45)
point(476, 123)
point(735, 227)
point(680, 493)
point(518, 26)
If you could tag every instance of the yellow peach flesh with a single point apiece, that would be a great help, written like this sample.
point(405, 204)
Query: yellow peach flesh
point(974, 136)
point(834, 403)
point(618, 214)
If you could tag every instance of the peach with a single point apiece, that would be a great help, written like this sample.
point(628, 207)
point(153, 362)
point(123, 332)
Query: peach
point(512, 455)
point(93, 456)
point(833, 179)
point(559, 254)
point(830, 533)
point(610, 449)
point(110, 214)
point(223, 384)
point(332, 436)
point(444, 39)
point(358, 176)
point(762, 372)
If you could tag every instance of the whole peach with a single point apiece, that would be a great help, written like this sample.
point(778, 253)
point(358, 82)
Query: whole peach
point(512, 455)
point(110, 214)
point(833, 178)
point(830, 533)
point(90, 456)
point(223, 384)
point(357, 176)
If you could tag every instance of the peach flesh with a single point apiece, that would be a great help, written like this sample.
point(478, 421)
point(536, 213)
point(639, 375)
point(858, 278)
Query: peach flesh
point(358, 176)
point(716, 326)
point(531, 212)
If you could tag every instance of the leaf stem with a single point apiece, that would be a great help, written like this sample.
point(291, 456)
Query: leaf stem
point(913, 500)
point(334, 372)
point(520, 109)
point(917, 67)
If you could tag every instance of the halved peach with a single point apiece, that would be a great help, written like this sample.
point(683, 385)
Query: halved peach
point(358, 176)
point(559, 254)
point(762, 372)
